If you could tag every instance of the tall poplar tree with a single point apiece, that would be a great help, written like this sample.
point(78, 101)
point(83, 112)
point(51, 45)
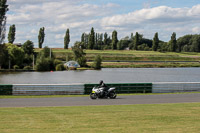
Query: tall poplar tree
point(173, 42)
point(105, 41)
point(136, 41)
point(114, 40)
point(41, 37)
point(11, 34)
point(155, 42)
point(66, 39)
point(3, 10)
point(91, 39)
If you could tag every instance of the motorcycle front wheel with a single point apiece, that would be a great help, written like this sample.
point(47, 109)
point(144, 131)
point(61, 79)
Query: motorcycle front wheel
point(93, 96)
point(112, 95)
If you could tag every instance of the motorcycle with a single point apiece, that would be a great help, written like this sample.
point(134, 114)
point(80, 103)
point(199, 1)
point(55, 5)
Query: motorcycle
point(98, 92)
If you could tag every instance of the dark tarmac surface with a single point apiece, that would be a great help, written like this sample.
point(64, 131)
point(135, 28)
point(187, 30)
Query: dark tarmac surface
point(86, 101)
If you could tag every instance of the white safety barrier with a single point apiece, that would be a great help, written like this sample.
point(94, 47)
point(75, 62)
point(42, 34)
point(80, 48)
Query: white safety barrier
point(46, 89)
point(171, 87)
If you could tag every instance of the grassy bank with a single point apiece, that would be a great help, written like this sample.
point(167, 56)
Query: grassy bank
point(131, 55)
point(120, 119)
point(147, 65)
point(125, 55)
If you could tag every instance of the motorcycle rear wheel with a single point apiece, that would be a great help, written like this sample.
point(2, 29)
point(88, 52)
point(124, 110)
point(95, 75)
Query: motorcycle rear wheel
point(93, 96)
point(112, 95)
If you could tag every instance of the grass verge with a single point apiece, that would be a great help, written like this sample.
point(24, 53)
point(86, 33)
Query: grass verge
point(171, 118)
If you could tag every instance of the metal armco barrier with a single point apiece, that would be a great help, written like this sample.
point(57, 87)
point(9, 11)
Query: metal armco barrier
point(80, 89)
point(68, 89)
point(125, 87)
point(172, 87)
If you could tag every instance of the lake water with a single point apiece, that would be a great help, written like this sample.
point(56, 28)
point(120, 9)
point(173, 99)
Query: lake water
point(114, 75)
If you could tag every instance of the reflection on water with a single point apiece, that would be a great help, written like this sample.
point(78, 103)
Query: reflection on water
point(114, 75)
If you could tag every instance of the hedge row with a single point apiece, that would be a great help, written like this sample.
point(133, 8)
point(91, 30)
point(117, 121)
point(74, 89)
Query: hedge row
point(6, 89)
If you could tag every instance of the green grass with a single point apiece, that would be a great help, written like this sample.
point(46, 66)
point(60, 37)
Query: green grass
point(132, 55)
point(173, 118)
point(148, 65)
point(129, 53)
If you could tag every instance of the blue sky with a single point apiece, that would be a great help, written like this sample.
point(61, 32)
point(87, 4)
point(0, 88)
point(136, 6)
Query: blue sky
point(125, 16)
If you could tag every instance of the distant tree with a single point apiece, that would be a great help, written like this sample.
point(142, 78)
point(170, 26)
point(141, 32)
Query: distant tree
point(78, 50)
point(131, 44)
point(28, 47)
point(163, 46)
point(79, 54)
point(143, 47)
point(132, 36)
point(83, 40)
point(96, 41)
point(105, 41)
point(196, 43)
point(86, 38)
point(11, 34)
point(16, 54)
point(97, 62)
point(155, 42)
point(123, 43)
point(3, 10)
point(41, 37)
point(136, 41)
point(173, 42)
point(114, 40)
point(3, 56)
point(100, 42)
point(184, 41)
point(91, 42)
point(66, 39)
point(186, 48)
point(44, 62)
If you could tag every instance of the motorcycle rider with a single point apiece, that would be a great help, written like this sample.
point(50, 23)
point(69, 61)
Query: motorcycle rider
point(103, 85)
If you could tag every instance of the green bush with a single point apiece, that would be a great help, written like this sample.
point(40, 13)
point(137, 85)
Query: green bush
point(27, 68)
point(15, 67)
point(60, 67)
point(56, 62)
point(5, 89)
point(44, 64)
point(82, 61)
point(97, 62)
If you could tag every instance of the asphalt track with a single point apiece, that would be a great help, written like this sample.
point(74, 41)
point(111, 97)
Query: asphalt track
point(86, 101)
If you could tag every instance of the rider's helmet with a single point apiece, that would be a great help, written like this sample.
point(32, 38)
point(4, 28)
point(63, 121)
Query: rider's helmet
point(101, 82)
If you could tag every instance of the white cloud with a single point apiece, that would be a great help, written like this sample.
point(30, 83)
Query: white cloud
point(59, 36)
point(161, 14)
point(196, 30)
point(79, 17)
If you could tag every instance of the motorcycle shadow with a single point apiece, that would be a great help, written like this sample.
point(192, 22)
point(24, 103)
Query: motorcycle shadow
point(110, 98)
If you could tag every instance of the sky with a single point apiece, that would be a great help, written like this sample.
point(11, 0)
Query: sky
point(126, 16)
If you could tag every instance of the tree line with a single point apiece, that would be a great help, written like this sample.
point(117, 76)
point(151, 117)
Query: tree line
point(100, 41)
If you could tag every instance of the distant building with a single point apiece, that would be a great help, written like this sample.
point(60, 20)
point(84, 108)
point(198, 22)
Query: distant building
point(72, 65)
